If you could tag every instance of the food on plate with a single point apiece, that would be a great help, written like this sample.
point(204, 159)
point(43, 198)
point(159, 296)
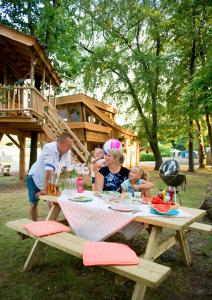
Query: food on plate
point(164, 208)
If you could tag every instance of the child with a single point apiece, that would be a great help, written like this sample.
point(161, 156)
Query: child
point(136, 183)
point(97, 162)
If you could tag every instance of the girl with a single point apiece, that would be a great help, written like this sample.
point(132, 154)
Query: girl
point(136, 183)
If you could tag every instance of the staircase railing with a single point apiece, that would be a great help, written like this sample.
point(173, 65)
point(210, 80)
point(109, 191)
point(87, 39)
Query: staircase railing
point(27, 101)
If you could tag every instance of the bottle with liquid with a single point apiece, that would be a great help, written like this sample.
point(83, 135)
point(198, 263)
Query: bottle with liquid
point(167, 197)
point(50, 187)
point(80, 185)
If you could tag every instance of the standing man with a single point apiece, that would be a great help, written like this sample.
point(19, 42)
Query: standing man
point(53, 157)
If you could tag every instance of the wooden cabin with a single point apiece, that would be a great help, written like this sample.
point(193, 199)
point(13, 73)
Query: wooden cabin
point(28, 104)
point(94, 123)
point(28, 85)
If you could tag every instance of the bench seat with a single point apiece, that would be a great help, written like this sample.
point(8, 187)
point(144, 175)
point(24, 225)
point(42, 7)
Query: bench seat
point(146, 272)
point(200, 227)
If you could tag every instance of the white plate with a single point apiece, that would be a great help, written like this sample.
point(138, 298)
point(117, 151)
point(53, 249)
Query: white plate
point(123, 207)
point(81, 199)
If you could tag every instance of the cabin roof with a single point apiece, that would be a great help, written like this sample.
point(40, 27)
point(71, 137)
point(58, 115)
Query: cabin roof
point(84, 98)
point(16, 48)
point(95, 106)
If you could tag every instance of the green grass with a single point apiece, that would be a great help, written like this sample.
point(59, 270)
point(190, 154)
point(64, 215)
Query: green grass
point(61, 276)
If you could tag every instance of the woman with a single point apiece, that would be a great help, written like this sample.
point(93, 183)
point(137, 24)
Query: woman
point(110, 178)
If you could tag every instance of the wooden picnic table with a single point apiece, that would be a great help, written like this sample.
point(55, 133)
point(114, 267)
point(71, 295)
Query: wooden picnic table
point(155, 245)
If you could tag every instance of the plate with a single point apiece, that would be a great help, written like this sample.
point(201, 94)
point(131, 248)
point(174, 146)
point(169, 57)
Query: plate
point(81, 199)
point(173, 212)
point(122, 207)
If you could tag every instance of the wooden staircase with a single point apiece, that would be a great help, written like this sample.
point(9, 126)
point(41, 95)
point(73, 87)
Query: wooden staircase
point(55, 125)
point(25, 109)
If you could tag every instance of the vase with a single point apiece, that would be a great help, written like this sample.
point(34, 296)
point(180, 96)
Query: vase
point(73, 185)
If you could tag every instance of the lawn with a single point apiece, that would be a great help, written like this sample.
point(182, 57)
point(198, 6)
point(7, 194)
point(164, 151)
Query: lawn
point(60, 276)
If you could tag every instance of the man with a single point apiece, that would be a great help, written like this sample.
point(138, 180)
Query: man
point(53, 157)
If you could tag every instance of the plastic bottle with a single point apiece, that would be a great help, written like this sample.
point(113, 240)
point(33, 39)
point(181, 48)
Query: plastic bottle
point(167, 197)
point(80, 185)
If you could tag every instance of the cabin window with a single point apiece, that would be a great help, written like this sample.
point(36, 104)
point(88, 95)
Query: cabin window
point(75, 115)
point(63, 114)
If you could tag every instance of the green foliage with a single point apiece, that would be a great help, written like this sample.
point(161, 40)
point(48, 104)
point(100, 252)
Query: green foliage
point(147, 157)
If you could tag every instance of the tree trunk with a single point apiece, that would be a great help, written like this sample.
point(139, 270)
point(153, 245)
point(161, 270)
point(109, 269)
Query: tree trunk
point(209, 130)
point(157, 155)
point(191, 148)
point(201, 150)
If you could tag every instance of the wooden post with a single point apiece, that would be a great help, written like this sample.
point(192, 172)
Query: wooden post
point(32, 69)
point(33, 149)
point(22, 172)
point(1, 136)
point(43, 81)
point(50, 82)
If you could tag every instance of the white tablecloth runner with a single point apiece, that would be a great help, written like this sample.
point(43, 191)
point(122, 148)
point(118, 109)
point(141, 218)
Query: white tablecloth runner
point(95, 221)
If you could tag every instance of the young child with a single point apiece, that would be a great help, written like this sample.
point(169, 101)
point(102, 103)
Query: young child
point(97, 162)
point(135, 182)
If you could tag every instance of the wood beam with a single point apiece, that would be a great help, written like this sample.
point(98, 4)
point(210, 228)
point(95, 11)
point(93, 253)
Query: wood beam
point(13, 140)
point(33, 148)
point(22, 172)
point(32, 68)
point(13, 131)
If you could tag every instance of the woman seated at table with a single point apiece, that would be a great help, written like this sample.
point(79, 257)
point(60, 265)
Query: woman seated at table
point(110, 178)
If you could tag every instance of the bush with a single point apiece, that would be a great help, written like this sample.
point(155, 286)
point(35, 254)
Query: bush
point(165, 152)
point(147, 157)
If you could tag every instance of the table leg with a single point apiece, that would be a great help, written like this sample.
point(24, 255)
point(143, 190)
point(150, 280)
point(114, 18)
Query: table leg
point(184, 246)
point(152, 245)
point(37, 248)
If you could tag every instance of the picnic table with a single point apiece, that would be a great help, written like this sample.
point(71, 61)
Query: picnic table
point(147, 273)
point(156, 244)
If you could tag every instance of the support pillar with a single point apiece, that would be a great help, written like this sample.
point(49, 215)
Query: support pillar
point(33, 148)
point(22, 157)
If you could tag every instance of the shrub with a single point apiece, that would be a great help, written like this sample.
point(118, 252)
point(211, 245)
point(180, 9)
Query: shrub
point(147, 157)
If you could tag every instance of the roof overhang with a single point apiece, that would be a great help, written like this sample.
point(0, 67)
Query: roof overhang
point(16, 51)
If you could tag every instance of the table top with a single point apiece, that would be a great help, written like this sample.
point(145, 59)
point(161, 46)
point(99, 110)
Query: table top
point(161, 221)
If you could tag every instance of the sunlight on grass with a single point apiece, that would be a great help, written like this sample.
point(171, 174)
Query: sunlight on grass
point(61, 276)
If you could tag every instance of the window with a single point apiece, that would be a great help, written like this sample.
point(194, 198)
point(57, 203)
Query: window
point(63, 114)
point(75, 115)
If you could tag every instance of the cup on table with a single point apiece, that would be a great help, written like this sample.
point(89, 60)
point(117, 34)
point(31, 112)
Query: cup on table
point(137, 194)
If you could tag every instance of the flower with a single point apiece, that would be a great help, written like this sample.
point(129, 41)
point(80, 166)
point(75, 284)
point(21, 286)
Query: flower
point(77, 169)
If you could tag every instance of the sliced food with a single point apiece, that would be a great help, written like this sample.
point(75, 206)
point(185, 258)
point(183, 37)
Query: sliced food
point(162, 208)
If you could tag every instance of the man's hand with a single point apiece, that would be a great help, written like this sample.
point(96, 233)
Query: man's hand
point(42, 192)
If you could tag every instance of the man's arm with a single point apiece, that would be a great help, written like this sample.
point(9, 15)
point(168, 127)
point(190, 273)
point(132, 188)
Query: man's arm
point(47, 177)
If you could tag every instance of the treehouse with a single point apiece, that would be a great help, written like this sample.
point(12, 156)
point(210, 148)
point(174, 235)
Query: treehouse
point(29, 107)
point(28, 85)
point(94, 122)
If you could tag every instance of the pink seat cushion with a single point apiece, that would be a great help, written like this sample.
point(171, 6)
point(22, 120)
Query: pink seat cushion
point(103, 253)
point(42, 228)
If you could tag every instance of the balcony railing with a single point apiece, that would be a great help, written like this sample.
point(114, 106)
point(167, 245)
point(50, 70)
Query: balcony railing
point(21, 101)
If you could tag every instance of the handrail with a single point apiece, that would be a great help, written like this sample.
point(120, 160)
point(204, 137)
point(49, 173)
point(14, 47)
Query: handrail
point(27, 99)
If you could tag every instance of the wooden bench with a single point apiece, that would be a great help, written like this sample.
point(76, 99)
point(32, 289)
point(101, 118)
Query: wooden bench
point(146, 273)
point(200, 227)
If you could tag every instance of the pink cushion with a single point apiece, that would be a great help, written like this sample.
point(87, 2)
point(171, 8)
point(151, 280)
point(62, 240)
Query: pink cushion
point(103, 253)
point(42, 228)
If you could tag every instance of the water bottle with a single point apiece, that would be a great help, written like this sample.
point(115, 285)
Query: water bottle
point(167, 197)
point(80, 185)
